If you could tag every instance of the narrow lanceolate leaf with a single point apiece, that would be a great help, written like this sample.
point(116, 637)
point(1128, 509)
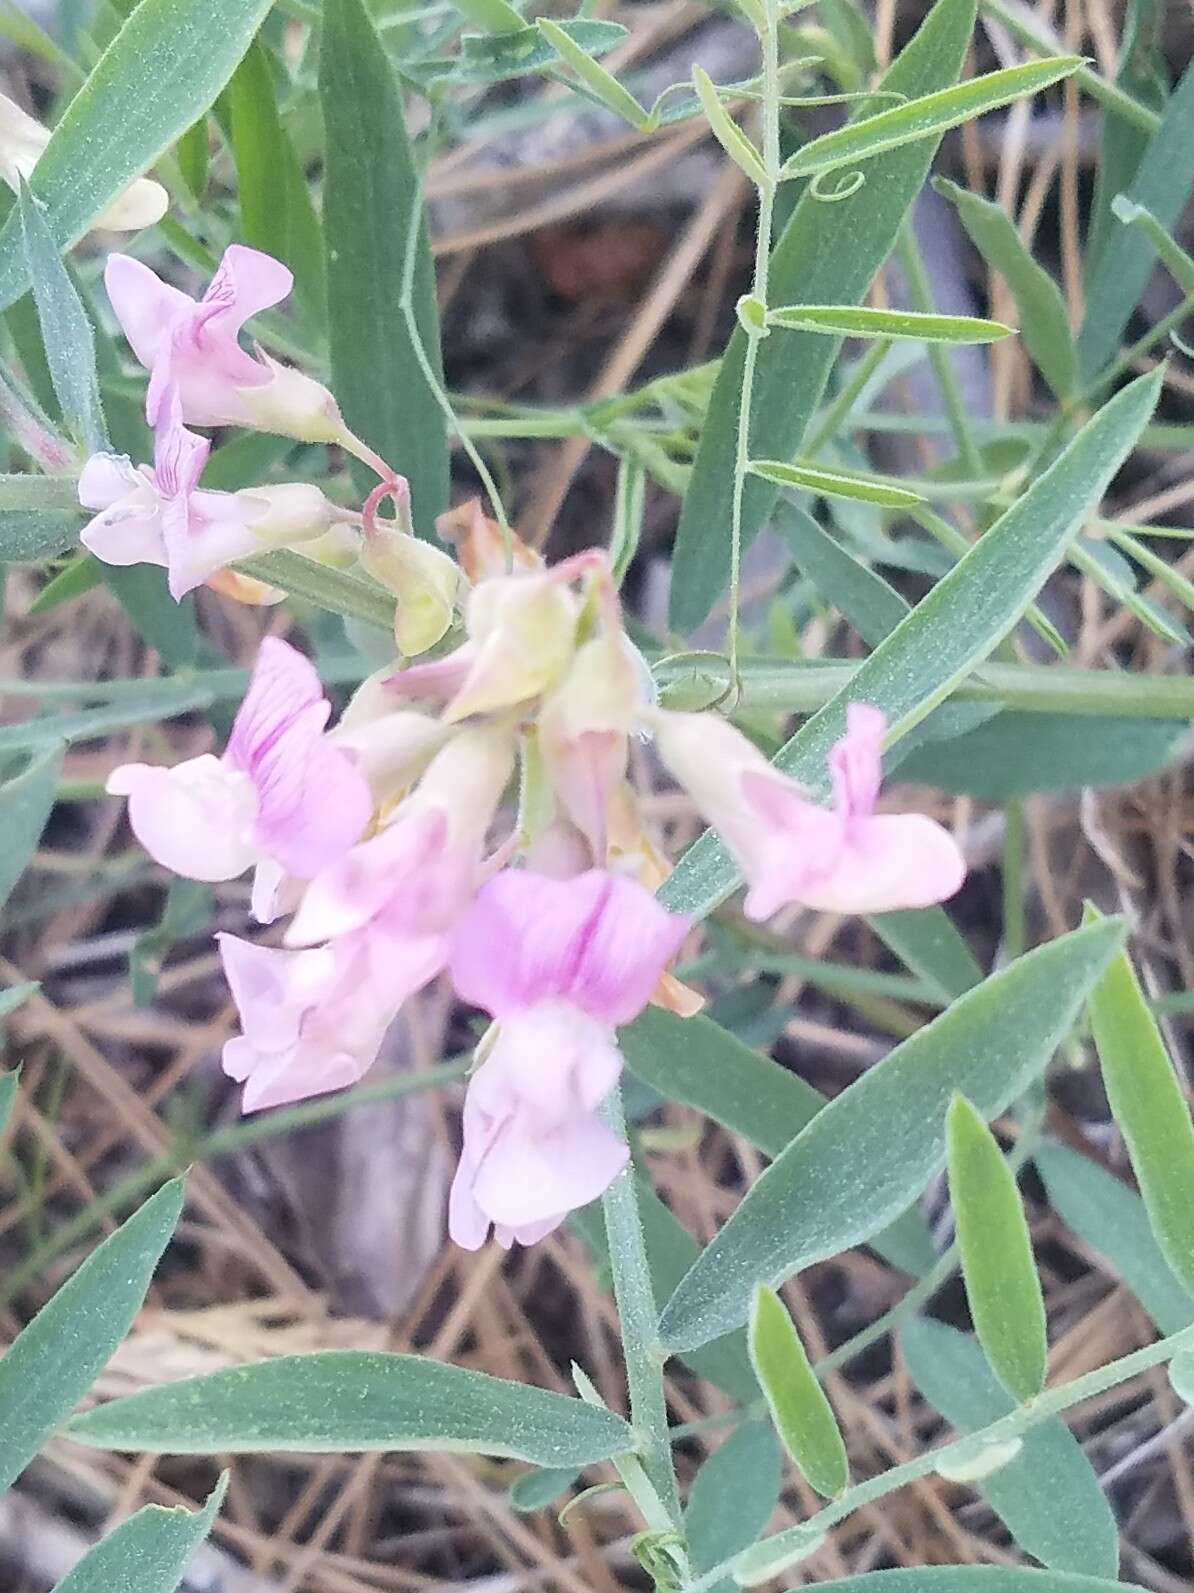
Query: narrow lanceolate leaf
point(1044, 323)
point(345, 592)
point(65, 330)
point(801, 1412)
point(726, 130)
point(1162, 185)
point(1048, 1496)
point(8, 1090)
point(29, 536)
point(732, 1498)
point(10, 999)
point(25, 804)
point(696, 1061)
point(1110, 1219)
point(1002, 1287)
point(148, 1553)
point(162, 70)
point(970, 1579)
point(889, 1127)
point(374, 226)
point(595, 77)
point(55, 1360)
point(926, 117)
point(1148, 1104)
point(853, 320)
point(832, 483)
point(951, 631)
point(827, 254)
point(355, 1400)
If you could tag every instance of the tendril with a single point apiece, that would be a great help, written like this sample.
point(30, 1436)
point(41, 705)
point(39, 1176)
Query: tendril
point(850, 183)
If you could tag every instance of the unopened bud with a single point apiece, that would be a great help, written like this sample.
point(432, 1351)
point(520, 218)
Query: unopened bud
point(524, 628)
point(424, 581)
point(22, 139)
point(290, 512)
point(291, 404)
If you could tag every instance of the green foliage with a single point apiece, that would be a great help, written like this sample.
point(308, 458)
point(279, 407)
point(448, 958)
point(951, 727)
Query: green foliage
point(1002, 1288)
point(25, 804)
point(338, 1400)
point(56, 1358)
point(802, 1414)
point(149, 1553)
point(1047, 1495)
point(732, 1497)
point(889, 1127)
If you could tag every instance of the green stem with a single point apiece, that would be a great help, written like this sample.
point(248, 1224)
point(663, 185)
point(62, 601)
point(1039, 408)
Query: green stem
point(639, 1323)
point(784, 1547)
point(769, 50)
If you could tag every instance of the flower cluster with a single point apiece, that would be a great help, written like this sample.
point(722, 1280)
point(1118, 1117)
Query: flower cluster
point(379, 840)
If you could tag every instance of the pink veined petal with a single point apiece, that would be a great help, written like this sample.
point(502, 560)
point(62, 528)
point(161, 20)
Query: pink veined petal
point(283, 684)
point(788, 843)
point(548, 1063)
point(891, 861)
point(442, 677)
point(107, 478)
point(273, 989)
point(313, 801)
point(196, 819)
point(856, 761)
point(279, 1079)
point(596, 940)
point(246, 282)
point(178, 454)
point(145, 306)
point(361, 884)
point(126, 535)
point(530, 1178)
point(212, 536)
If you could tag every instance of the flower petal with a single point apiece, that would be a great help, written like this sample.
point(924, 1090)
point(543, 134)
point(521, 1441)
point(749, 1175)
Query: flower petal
point(246, 282)
point(597, 940)
point(146, 307)
point(891, 861)
point(856, 761)
point(531, 1178)
point(106, 478)
point(196, 819)
point(126, 535)
point(389, 868)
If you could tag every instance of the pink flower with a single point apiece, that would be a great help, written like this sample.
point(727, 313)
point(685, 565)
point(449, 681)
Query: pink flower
point(312, 1021)
point(159, 516)
point(195, 347)
point(282, 794)
point(560, 964)
point(844, 859)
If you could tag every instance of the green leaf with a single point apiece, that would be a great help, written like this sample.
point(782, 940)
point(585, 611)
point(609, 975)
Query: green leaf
point(799, 1408)
point(82, 573)
point(601, 83)
point(1150, 1107)
point(187, 911)
point(10, 1080)
point(169, 627)
point(853, 320)
point(39, 492)
point(537, 1489)
point(495, 16)
point(54, 1361)
point(160, 73)
point(928, 116)
point(832, 483)
point(10, 999)
point(1016, 754)
point(1110, 1219)
point(970, 1579)
point(148, 1553)
point(970, 610)
point(1044, 323)
point(1162, 185)
point(1002, 1288)
point(346, 592)
point(825, 254)
point(25, 805)
point(275, 201)
point(493, 58)
point(371, 202)
point(1177, 262)
point(726, 130)
point(925, 940)
point(1181, 1375)
point(355, 1400)
point(862, 597)
point(29, 536)
point(695, 1061)
point(889, 1128)
point(732, 1498)
point(1141, 72)
point(66, 331)
point(1048, 1497)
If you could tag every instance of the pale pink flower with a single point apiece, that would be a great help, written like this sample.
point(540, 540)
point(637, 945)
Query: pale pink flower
point(282, 794)
point(844, 859)
point(195, 347)
point(560, 964)
point(312, 1021)
point(160, 516)
point(417, 874)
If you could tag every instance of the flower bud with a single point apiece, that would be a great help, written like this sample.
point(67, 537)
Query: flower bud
point(584, 731)
point(524, 630)
point(290, 512)
point(291, 404)
point(142, 203)
point(483, 548)
point(424, 581)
